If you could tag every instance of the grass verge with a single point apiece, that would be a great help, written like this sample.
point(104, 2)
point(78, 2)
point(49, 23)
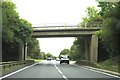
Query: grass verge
point(12, 69)
point(36, 60)
point(16, 67)
point(111, 64)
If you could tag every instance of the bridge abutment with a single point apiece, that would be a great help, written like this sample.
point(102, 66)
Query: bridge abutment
point(94, 49)
point(87, 48)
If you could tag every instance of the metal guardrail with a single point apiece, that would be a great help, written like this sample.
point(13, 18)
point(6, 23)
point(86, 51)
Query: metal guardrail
point(97, 23)
point(5, 65)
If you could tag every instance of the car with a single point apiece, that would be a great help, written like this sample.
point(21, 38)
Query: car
point(57, 59)
point(49, 58)
point(64, 59)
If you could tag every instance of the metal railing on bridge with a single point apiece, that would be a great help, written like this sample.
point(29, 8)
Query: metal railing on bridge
point(64, 26)
point(55, 27)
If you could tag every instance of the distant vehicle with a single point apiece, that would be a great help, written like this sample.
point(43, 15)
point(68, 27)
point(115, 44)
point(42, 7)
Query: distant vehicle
point(57, 59)
point(49, 58)
point(64, 59)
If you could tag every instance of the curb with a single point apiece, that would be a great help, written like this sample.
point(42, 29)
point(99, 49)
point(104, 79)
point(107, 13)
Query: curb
point(103, 70)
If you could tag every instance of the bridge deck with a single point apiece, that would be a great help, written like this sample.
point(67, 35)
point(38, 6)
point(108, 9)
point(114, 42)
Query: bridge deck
point(71, 32)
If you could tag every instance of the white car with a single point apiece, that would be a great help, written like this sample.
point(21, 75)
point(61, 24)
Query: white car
point(57, 59)
point(64, 59)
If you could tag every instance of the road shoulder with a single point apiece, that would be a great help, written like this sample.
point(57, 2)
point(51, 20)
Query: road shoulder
point(101, 70)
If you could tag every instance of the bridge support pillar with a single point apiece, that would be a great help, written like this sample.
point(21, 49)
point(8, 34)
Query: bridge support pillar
point(87, 49)
point(94, 49)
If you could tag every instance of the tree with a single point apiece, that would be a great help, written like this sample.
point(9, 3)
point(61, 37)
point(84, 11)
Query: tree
point(42, 55)
point(10, 19)
point(92, 18)
point(49, 55)
point(34, 49)
point(73, 51)
point(15, 31)
point(64, 52)
point(77, 51)
point(111, 27)
point(80, 43)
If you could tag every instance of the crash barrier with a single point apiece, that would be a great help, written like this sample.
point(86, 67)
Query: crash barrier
point(88, 63)
point(5, 65)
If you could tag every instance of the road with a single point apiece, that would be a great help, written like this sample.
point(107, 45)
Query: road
point(53, 70)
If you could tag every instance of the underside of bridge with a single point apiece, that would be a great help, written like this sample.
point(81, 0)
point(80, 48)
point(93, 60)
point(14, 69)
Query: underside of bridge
point(91, 41)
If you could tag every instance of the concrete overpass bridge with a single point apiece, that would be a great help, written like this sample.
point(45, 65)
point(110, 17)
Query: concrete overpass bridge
point(61, 31)
point(91, 41)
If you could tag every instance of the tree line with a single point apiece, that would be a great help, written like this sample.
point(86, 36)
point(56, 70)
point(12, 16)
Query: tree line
point(17, 31)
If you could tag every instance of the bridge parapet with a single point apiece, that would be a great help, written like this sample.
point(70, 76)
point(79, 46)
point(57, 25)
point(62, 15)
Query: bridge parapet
point(62, 27)
point(55, 27)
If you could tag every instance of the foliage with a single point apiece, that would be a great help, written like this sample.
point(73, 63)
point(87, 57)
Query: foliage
point(34, 49)
point(49, 55)
point(111, 64)
point(92, 18)
point(15, 31)
point(73, 51)
point(80, 42)
point(64, 52)
point(111, 27)
point(77, 50)
point(42, 55)
point(9, 19)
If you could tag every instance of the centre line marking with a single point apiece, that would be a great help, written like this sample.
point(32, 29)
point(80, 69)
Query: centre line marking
point(60, 72)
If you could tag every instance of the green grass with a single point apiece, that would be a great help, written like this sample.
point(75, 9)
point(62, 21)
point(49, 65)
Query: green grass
point(36, 60)
point(110, 64)
point(11, 69)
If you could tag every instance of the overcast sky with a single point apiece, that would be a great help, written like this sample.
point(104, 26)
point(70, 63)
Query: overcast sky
point(41, 12)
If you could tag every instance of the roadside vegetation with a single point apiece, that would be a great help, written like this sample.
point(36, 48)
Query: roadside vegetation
point(35, 60)
point(110, 64)
point(108, 18)
point(12, 69)
point(15, 33)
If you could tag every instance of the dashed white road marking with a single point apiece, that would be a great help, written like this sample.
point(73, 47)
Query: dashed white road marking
point(17, 71)
point(99, 72)
point(60, 72)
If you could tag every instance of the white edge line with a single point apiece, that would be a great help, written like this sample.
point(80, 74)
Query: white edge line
point(99, 72)
point(17, 71)
point(60, 72)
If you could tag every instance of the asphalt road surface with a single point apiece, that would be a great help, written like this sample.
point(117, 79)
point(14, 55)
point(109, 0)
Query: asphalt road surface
point(53, 70)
